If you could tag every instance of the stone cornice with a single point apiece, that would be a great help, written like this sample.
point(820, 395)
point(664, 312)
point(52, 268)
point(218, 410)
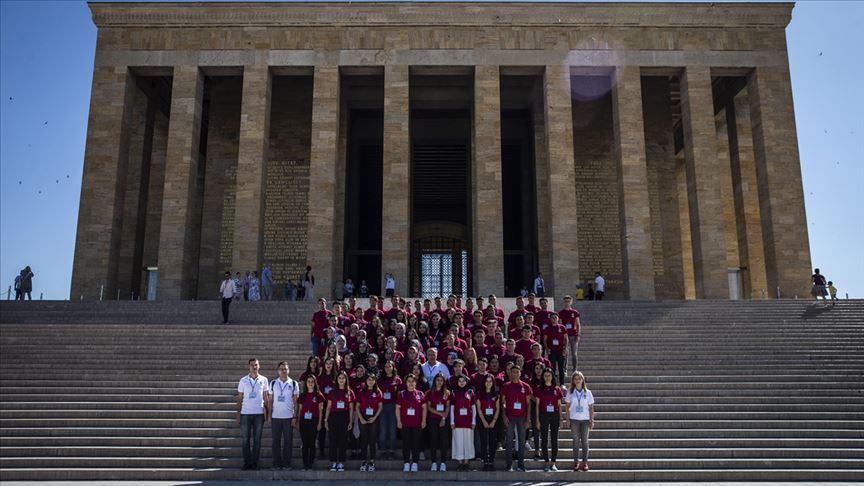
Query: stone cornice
point(343, 14)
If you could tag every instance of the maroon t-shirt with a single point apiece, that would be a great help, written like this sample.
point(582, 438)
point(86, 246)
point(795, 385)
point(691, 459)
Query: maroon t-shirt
point(320, 322)
point(516, 396)
point(411, 408)
point(463, 408)
point(523, 347)
point(488, 405)
point(556, 337)
point(389, 388)
point(309, 403)
point(371, 313)
point(549, 397)
point(541, 318)
point(369, 400)
point(437, 405)
point(568, 319)
point(529, 364)
point(341, 400)
point(325, 384)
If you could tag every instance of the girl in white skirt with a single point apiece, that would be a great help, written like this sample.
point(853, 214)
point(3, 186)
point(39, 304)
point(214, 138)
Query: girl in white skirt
point(463, 416)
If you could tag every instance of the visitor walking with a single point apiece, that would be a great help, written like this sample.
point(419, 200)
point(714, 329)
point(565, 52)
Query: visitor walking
point(599, 286)
point(819, 286)
point(254, 288)
point(226, 291)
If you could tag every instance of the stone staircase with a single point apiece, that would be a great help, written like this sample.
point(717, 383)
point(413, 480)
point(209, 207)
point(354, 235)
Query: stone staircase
point(686, 391)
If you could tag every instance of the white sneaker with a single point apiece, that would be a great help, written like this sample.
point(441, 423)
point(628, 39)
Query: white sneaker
point(333, 467)
point(406, 467)
point(442, 467)
point(434, 467)
point(528, 447)
point(341, 467)
point(413, 467)
point(363, 467)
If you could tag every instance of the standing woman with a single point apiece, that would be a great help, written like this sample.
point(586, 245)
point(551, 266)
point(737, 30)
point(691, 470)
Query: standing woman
point(311, 412)
point(340, 412)
point(411, 420)
point(309, 285)
point(313, 368)
point(369, 403)
point(438, 409)
point(580, 403)
point(326, 383)
point(547, 417)
point(254, 288)
point(463, 419)
point(390, 384)
point(489, 409)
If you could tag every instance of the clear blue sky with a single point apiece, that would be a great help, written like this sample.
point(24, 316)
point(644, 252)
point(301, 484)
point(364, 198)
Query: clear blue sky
point(46, 63)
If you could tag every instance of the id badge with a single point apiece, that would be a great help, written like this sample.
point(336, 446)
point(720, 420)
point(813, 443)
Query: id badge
point(569, 326)
point(370, 412)
point(463, 412)
point(550, 408)
point(517, 406)
point(253, 394)
point(411, 412)
point(327, 390)
point(579, 409)
point(281, 398)
point(386, 395)
point(439, 407)
point(554, 342)
point(340, 405)
point(307, 415)
point(489, 411)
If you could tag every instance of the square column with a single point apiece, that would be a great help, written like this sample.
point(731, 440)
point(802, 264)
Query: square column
point(177, 251)
point(704, 175)
point(487, 225)
point(396, 203)
point(251, 169)
point(778, 171)
point(101, 205)
point(562, 180)
point(321, 252)
point(638, 257)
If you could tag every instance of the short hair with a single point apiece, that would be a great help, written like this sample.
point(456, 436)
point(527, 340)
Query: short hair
point(283, 363)
point(459, 362)
point(567, 297)
point(526, 328)
point(515, 367)
point(252, 360)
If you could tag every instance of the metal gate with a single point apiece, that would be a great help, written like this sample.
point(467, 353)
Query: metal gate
point(439, 266)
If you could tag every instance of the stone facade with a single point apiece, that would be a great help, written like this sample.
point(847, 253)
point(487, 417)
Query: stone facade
point(663, 141)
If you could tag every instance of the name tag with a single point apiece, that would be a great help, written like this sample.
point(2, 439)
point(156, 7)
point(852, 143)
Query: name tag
point(253, 394)
point(340, 405)
point(411, 412)
point(370, 412)
point(439, 407)
point(327, 390)
point(281, 398)
point(555, 342)
point(550, 408)
point(307, 415)
point(579, 409)
point(489, 411)
point(569, 326)
point(463, 412)
point(517, 406)
point(386, 395)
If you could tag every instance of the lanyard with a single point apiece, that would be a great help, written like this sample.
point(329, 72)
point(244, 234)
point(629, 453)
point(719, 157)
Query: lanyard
point(282, 388)
point(252, 382)
point(579, 396)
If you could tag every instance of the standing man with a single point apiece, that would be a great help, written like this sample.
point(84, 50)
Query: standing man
point(251, 400)
point(539, 285)
point(227, 293)
point(432, 367)
point(515, 399)
point(283, 402)
point(569, 317)
point(26, 285)
point(320, 321)
point(599, 286)
point(267, 282)
point(555, 340)
point(389, 285)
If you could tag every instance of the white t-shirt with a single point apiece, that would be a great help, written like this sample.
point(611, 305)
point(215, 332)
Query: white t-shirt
point(578, 404)
point(283, 397)
point(227, 289)
point(253, 391)
point(391, 283)
point(430, 372)
point(600, 284)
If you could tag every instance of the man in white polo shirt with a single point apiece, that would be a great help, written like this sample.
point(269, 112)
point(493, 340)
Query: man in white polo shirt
point(283, 402)
point(432, 366)
point(251, 399)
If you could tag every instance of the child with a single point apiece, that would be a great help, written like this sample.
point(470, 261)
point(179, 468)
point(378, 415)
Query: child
point(833, 291)
point(462, 420)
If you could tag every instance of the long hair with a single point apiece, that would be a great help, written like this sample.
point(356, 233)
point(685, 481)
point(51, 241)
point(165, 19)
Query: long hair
point(572, 387)
point(306, 391)
point(432, 387)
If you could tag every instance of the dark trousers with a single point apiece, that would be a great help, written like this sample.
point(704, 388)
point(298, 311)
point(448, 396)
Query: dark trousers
point(515, 431)
point(308, 431)
point(387, 427)
point(549, 423)
point(226, 303)
point(282, 442)
point(559, 364)
point(488, 441)
point(338, 436)
point(322, 439)
point(251, 427)
point(368, 441)
point(437, 440)
point(411, 444)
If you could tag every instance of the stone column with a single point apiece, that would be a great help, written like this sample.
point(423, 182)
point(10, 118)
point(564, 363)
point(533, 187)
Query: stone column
point(746, 194)
point(177, 255)
point(778, 170)
point(703, 184)
point(629, 131)
point(322, 178)
point(541, 181)
point(562, 180)
point(396, 204)
point(487, 222)
point(101, 205)
point(251, 169)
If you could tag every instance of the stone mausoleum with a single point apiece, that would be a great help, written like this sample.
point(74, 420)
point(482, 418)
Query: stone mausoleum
point(461, 147)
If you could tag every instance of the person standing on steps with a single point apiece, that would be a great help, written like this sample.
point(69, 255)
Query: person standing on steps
point(369, 403)
point(283, 402)
point(539, 285)
point(488, 404)
point(390, 384)
point(599, 286)
point(25, 286)
point(267, 282)
point(547, 416)
point(515, 400)
point(226, 291)
point(309, 285)
point(311, 412)
point(411, 420)
point(251, 400)
point(389, 285)
point(569, 317)
point(580, 414)
point(339, 420)
point(438, 410)
point(463, 419)
point(320, 322)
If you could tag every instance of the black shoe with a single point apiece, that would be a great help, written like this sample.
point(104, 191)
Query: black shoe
point(246, 467)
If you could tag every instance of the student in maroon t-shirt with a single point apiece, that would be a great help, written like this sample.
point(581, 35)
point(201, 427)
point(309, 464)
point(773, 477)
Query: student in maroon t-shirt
point(339, 419)
point(310, 410)
point(570, 319)
point(373, 310)
point(463, 416)
point(320, 321)
point(555, 341)
point(531, 306)
point(523, 346)
point(541, 315)
point(390, 384)
point(547, 399)
point(411, 420)
point(438, 409)
point(488, 411)
point(518, 312)
point(510, 355)
point(369, 404)
point(537, 357)
point(516, 398)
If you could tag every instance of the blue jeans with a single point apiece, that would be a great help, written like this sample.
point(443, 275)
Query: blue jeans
point(316, 345)
point(387, 427)
point(515, 427)
point(251, 427)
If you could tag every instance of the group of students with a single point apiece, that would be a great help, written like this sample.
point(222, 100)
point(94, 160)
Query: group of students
point(430, 378)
